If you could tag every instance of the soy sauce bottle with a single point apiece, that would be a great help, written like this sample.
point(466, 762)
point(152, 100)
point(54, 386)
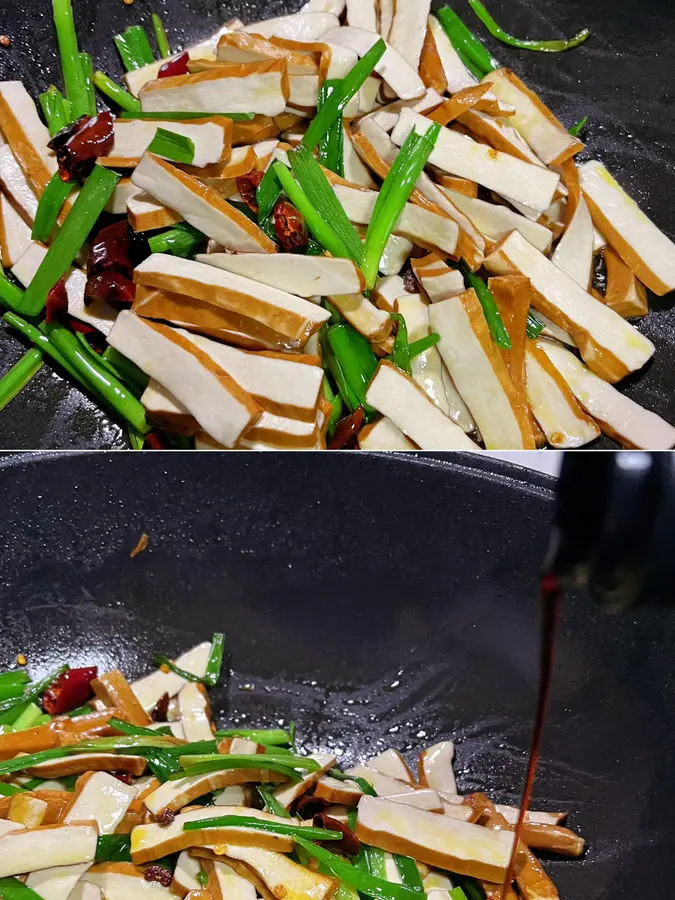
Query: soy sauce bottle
point(614, 530)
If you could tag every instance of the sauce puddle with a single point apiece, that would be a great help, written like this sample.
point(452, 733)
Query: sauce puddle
point(551, 601)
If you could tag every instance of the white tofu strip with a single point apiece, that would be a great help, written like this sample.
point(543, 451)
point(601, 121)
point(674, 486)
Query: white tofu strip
point(152, 841)
point(185, 874)
point(548, 137)
point(637, 240)
point(195, 712)
point(393, 394)
point(27, 810)
point(335, 791)
point(532, 817)
point(225, 884)
point(240, 47)
point(304, 276)
point(30, 850)
point(164, 411)
point(599, 240)
point(336, 7)
point(479, 372)
point(500, 135)
point(455, 72)
point(122, 881)
point(15, 236)
point(427, 367)
point(386, 17)
point(99, 314)
point(260, 88)
point(362, 14)
point(495, 221)
point(397, 72)
point(175, 728)
point(85, 891)
point(6, 826)
point(438, 280)
point(268, 871)
point(618, 416)
point(56, 883)
point(439, 841)
point(100, 798)
point(200, 206)
point(273, 433)
point(391, 763)
point(458, 154)
point(288, 794)
point(304, 27)
point(292, 316)
point(117, 204)
point(150, 689)
point(233, 795)
point(27, 137)
point(383, 435)
point(624, 294)
point(147, 215)
point(554, 331)
point(212, 139)
point(409, 28)
point(574, 253)
point(387, 116)
point(371, 322)
point(79, 764)
point(435, 767)
point(554, 406)
point(354, 170)
point(610, 346)
point(15, 184)
point(215, 400)
point(386, 292)
point(419, 225)
point(395, 255)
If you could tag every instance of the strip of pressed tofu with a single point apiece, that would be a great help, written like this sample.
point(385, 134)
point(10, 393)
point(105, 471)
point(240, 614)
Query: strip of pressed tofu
point(56, 883)
point(212, 139)
point(574, 253)
point(6, 827)
point(397, 72)
point(395, 255)
point(152, 841)
point(386, 292)
point(554, 406)
point(609, 345)
point(548, 137)
point(122, 881)
point(268, 871)
point(223, 883)
point(427, 367)
point(26, 135)
point(85, 891)
point(287, 794)
point(371, 322)
point(100, 798)
point(273, 433)
point(495, 221)
point(117, 204)
point(618, 416)
point(479, 372)
point(335, 791)
point(637, 240)
point(15, 236)
point(15, 184)
point(305, 27)
point(261, 88)
point(438, 280)
point(152, 687)
point(500, 134)
point(164, 411)
point(233, 795)
point(200, 206)
point(241, 47)
point(145, 214)
point(395, 395)
point(435, 767)
point(362, 14)
point(115, 692)
point(391, 763)
point(304, 276)
point(408, 29)
point(387, 116)
point(534, 817)
point(79, 764)
point(195, 712)
point(383, 435)
point(27, 810)
point(32, 849)
point(286, 314)
point(458, 154)
point(398, 791)
point(440, 841)
point(354, 169)
point(456, 74)
point(185, 875)
point(215, 400)
point(625, 294)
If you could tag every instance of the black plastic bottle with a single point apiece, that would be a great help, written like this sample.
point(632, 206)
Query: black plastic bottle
point(615, 527)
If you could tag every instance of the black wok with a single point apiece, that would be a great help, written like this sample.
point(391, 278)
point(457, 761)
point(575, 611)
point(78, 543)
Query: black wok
point(377, 601)
point(622, 78)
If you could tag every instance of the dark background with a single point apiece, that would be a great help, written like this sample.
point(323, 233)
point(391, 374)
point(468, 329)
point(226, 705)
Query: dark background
point(623, 78)
point(378, 601)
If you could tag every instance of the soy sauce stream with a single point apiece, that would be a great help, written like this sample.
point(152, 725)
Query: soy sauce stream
point(551, 602)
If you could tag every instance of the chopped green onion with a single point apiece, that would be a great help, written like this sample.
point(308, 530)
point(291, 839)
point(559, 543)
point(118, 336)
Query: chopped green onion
point(492, 315)
point(465, 41)
point(323, 232)
point(331, 361)
point(33, 759)
point(127, 743)
point(11, 294)
point(336, 103)
point(288, 760)
point(81, 219)
point(376, 861)
point(364, 786)
point(534, 325)
point(578, 127)
point(268, 736)
point(35, 690)
point(221, 762)
point(35, 336)
point(162, 765)
point(50, 205)
point(16, 379)
point(335, 401)
point(543, 46)
point(161, 661)
point(53, 109)
point(202, 878)
point(312, 834)
point(126, 370)
point(331, 145)
point(160, 37)
point(113, 848)
point(12, 684)
point(410, 874)
point(136, 441)
point(28, 717)
point(13, 889)
point(393, 196)
point(174, 114)
point(176, 147)
point(87, 67)
point(470, 887)
point(116, 92)
point(8, 790)
point(71, 63)
point(321, 195)
point(458, 894)
point(400, 355)
point(272, 805)
point(181, 240)
point(134, 48)
point(267, 194)
point(423, 344)
point(215, 662)
point(356, 358)
point(131, 730)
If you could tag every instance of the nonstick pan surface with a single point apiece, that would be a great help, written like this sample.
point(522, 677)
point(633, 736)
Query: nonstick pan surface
point(378, 601)
point(622, 78)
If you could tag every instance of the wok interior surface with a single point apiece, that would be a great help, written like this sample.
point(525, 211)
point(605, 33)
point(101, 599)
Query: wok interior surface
point(377, 601)
point(621, 78)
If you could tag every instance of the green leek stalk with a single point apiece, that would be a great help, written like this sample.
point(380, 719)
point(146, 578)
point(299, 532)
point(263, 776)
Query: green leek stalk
point(116, 92)
point(311, 834)
point(54, 110)
point(73, 73)
point(51, 203)
point(466, 43)
point(490, 310)
point(356, 358)
point(331, 145)
point(522, 43)
point(161, 39)
point(175, 147)
point(16, 379)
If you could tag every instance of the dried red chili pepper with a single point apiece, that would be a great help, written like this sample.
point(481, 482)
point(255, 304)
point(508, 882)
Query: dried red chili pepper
point(247, 185)
point(349, 844)
point(346, 429)
point(82, 327)
point(176, 66)
point(57, 301)
point(79, 151)
point(124, 777)
point(159, 874)
point(155, 441)
point(111, 249)
point(309, 806)
point(112, 287)
point(161, 709)
point(289, 226)
point(69, 691)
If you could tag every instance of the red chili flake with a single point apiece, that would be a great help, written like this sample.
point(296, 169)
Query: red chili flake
point(165, 818)
point(159, 874)
point(346, 429)
point(155, 441)
point(175, 66)
point(289, 226)
point(349, 845)
point(247, 185)
point(124, 777)
point(161, 709)
point(112, 287)
point(57, 302)
point(309, 806)
point(82, 327)
point(111, 249)
point(70, 690)
point(79, 151)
